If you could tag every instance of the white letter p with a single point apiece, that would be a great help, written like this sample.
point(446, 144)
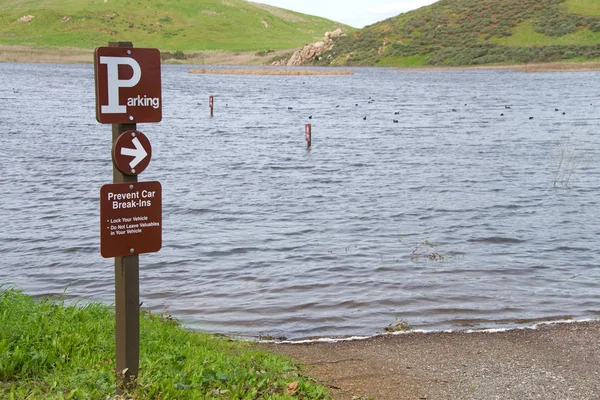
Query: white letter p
point(114, 83)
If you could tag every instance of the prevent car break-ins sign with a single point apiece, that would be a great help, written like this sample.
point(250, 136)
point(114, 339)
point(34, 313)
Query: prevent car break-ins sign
point(130, 218)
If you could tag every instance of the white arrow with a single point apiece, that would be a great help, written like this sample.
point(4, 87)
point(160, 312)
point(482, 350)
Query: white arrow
point(139, 153)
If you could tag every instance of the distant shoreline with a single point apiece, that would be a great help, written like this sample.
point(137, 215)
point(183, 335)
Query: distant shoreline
point(69, 55)
point(538, 67)
point(270, 71)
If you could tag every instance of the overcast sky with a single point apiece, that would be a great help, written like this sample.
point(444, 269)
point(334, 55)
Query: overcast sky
point(356, 13)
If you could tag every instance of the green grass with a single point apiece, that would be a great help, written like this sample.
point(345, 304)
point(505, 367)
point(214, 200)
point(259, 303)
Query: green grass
point(407, 61)
point(52, 351)
point(232, 25)
point(524, 35)
point(583, 7)
point(584, 60)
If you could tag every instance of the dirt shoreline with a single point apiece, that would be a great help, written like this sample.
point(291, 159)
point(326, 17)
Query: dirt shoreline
point(538, 67)
point(549, 361)
point(68, 55)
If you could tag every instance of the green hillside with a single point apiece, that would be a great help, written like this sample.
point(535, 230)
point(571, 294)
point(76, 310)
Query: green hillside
point(230, 25)
point(475, 32)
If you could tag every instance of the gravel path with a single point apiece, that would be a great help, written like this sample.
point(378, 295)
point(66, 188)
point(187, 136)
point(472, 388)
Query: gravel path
point(552, 362)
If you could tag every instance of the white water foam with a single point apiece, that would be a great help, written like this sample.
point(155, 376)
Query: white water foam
point(422, 331)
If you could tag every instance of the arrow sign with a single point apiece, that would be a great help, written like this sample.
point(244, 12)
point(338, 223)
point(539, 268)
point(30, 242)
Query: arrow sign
point(139, 152)
point(132, 144)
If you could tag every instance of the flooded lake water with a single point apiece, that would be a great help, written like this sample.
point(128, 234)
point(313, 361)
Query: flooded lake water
point(448, 199)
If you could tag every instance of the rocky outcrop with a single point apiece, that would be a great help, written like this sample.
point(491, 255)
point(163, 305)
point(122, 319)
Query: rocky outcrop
point(26, 18)
point(313, 50)
point(306, 53)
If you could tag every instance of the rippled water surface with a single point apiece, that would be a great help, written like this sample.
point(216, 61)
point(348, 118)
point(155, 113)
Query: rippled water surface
point(451, 217)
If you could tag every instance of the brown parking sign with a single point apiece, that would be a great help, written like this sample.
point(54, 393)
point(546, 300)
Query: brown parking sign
point(130, 218)
point(128, 85)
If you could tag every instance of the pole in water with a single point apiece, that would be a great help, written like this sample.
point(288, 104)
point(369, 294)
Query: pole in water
point(210, 103)
point(308, 135)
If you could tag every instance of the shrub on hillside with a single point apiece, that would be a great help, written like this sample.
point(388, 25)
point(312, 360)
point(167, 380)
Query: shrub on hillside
point(178, 55)
point(594, 25)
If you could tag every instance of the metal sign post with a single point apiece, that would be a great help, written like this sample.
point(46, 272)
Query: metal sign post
point(128, 90)
point(127, 294)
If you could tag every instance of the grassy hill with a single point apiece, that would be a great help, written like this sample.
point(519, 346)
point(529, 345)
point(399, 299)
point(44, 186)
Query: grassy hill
point(475, 32)
point(449, 32)
point(184, 25)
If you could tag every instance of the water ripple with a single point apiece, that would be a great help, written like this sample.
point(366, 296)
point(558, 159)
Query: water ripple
point(444, 219)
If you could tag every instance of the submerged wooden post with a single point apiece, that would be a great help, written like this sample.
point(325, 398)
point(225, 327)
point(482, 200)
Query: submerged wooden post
point(127, 290)
point(210, 104)
point(308, 135)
